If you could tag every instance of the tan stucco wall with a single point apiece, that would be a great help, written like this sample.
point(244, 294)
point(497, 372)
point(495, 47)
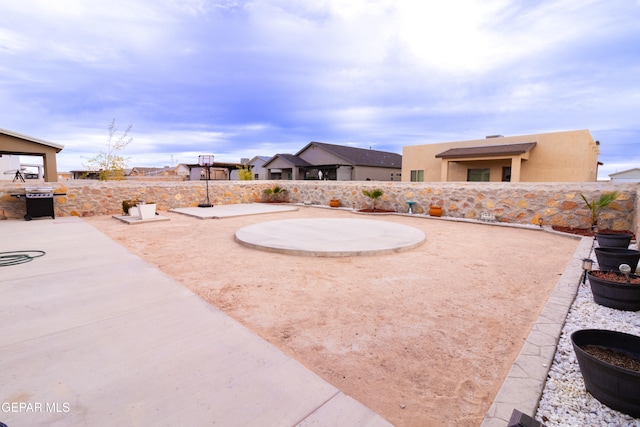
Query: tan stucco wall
point(570, 156)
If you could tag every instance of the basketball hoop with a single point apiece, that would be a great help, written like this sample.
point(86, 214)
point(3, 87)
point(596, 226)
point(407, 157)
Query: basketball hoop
point(206, 161)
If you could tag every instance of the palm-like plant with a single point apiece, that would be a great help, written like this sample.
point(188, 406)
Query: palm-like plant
point(595, 206)
point(374, 195)
point(275, 194)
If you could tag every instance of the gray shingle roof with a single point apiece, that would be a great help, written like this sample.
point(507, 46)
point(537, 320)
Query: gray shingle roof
point(294, 160)
point(360, 156)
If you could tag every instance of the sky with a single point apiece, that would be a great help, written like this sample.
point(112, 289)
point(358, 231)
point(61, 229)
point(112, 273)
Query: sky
point(238, 79)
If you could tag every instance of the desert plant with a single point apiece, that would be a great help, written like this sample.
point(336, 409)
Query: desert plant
point(128, 204)
point(109, 163)
point(275, 194)
point(374, 195)
point(595, 206)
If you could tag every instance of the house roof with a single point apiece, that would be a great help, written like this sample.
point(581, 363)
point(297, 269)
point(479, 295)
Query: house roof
point(360, 156)
point(489, 150)
point(290, 158)
point(217, 165)
point(264, 159)
point(57, 147)
point(149, 171)
point(635, 172)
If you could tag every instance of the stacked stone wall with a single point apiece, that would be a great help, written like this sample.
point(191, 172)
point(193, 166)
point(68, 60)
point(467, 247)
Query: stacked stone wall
point(522, 203)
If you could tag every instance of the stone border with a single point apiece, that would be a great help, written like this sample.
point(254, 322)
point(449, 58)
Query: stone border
point(523, 386)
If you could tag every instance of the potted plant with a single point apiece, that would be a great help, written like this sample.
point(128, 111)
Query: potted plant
point(334, 203)
point(374, 195)
point(275, 194)
point(127, 205)
point(610, 366)
point(615, 289)
point(435, 210)
point(611, 258)
point(595, 206)
point(613, 240)
point(147, 210)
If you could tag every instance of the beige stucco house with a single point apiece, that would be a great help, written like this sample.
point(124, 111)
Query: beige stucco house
point(14, 143)
point(570, 156)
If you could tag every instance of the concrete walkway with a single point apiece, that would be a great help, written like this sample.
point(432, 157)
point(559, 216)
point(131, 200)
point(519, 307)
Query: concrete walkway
point(90, 334)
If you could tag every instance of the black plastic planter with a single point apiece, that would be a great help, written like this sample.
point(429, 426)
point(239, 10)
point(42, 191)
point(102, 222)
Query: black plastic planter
point(613, 240)
point(611, 258)
point(616, 387)
point(620, 296)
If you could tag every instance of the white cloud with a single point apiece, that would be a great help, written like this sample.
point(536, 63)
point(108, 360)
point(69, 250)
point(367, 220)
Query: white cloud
point(248, 77)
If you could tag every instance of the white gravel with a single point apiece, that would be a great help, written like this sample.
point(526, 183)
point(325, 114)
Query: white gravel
point(564, 401)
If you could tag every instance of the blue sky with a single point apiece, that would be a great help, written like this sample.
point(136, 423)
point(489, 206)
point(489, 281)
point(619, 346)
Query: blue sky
point(244, 78)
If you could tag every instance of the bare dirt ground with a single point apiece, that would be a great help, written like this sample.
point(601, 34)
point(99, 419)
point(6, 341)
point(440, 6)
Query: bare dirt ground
point(423, 337)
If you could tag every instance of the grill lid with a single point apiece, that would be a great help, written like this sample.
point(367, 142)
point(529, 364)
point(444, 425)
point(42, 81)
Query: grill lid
point(38, 190)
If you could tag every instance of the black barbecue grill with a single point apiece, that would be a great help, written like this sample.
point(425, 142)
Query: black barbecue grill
point(39, 202)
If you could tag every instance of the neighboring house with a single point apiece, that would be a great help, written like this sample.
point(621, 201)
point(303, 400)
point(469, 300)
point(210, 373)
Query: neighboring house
point(287, 166)
point(257, 166)
point(85, 174)
point(570, 156)
point(630, 175)
point(318, 160)
point(183, 170)
point(245, 162)
point(141, 171)
point(65, 176)
point(16, 144)
point(217, 171)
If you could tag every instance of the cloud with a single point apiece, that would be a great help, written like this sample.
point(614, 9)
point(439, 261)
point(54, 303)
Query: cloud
point(257, 77)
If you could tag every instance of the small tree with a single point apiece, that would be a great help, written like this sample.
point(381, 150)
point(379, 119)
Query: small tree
point(245, 173)
point(374, 195)
point(110, 164)
point(595, 206)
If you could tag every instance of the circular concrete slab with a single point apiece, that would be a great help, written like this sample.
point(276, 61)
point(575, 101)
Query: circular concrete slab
point(330, 237)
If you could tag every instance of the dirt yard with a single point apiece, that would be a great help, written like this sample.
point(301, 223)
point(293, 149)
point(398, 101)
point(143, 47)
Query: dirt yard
point(423, 337)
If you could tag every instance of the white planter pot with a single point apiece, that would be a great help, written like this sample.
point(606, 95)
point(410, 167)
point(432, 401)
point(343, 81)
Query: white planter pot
point(147, 210)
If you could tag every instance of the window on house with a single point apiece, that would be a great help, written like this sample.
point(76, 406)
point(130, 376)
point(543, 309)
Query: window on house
point(417, 176)
point(506, 174)
point(474, 175)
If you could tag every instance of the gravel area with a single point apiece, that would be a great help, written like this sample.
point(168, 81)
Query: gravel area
point(564, 401)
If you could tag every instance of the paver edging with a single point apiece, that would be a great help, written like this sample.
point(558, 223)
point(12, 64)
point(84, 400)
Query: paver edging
point(522, 388)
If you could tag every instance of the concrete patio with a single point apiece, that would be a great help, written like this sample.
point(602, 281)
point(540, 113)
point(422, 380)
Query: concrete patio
point(90, 334)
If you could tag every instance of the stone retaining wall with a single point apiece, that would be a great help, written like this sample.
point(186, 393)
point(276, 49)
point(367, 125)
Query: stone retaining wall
point(522, 203)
